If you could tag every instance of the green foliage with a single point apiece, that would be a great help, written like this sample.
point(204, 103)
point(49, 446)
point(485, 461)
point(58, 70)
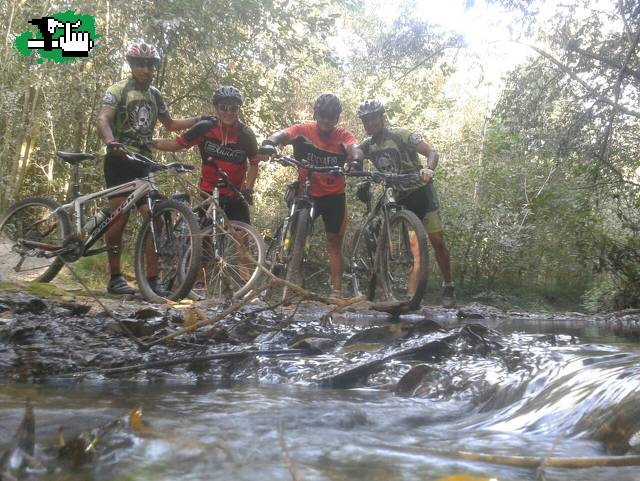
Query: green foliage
point(539, 193)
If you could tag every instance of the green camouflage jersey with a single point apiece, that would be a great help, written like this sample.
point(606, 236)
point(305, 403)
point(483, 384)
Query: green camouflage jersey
point(396, 153)
point(136, 113)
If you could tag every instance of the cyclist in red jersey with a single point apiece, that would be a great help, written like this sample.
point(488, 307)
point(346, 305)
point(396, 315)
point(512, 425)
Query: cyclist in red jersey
point(224, 143)
point(322, 143)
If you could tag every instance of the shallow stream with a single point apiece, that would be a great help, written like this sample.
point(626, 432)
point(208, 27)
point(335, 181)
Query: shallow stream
point(555, 389)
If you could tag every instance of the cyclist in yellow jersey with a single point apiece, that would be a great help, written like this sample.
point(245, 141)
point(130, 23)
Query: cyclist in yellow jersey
point(396, 150)
point(130, 109)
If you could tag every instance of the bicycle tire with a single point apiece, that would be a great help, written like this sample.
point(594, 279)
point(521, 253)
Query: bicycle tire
point(226, 277)
point(178, 236)
point(273, 256)
point(397, 262)
point(361, 263)
point(51, 230)
point(296, 260)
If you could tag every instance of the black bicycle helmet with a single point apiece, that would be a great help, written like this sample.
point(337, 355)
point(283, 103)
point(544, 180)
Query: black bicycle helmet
point(370, 107)
point(227, 92)
point(143, 51)
point(327, 105)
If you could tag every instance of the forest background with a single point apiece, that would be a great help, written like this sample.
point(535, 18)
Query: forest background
point(537, 126)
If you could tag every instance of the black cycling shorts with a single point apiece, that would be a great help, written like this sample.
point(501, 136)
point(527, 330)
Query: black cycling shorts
point(421, 201)
point(119, 170)
point(235, 209)
point(333, 210)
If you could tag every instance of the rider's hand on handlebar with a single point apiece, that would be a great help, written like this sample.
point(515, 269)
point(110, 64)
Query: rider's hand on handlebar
point(352, 167)
point(266, 151)
point(116, 148)
point(426, 174)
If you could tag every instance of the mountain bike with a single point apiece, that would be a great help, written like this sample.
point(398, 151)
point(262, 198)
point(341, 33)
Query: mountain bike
point(233, 251)
point(286, 255)
point(38, 235)
point(390, 249)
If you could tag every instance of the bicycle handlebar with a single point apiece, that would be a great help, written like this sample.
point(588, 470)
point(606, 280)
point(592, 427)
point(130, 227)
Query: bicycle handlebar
point(380, 177)
point(177, 167)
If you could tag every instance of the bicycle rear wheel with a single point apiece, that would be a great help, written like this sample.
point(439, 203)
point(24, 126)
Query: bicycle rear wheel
point(26, 223)
point(178, 246)
point(231, 260)
point(404, 263)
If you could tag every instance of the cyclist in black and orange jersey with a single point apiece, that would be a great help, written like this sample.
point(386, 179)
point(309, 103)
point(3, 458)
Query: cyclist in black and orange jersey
point(230, 145)
point(322, 143)
point(130, 109)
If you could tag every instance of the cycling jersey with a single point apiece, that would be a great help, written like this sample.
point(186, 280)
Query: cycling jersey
point(228, 147)
point(136, 113)
point(309, 145)
point(396, 153)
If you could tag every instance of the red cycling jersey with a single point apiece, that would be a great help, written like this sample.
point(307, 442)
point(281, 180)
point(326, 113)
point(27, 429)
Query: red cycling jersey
point(321, 150)
point(229, 148)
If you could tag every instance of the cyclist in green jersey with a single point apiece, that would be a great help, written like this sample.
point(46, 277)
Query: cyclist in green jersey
point(130, 109)
point(396, 150)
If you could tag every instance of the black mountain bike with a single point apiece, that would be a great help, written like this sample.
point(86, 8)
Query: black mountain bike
point(286, 255)
point(38, 235)
point(389, 253)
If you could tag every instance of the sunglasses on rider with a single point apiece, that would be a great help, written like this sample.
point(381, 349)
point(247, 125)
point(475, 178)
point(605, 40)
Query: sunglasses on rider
point(233, 108)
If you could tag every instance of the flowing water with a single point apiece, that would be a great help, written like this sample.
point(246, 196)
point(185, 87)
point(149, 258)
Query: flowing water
point(555, 389)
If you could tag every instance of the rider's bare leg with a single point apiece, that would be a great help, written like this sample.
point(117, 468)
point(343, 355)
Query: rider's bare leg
point(113, 236)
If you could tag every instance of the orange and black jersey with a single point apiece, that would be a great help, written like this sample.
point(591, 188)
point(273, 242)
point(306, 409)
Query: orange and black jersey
point(231, 148)
point(323, 151)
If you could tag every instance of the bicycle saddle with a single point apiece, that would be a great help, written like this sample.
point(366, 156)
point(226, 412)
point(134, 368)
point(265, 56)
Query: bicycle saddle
point(74, 157)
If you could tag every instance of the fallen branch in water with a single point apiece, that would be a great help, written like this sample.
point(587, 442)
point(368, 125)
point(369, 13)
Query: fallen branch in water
point(520, 461)
point(184, 360)
point(285, 455)
point(196, 325)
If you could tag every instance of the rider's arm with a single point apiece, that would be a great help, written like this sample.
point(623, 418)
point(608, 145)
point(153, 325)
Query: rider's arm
point(191, 137)
point(250, 179)
point(105, 118)
point(432, 160)
point(167, 145)
point(172, 124)
point(279, 138)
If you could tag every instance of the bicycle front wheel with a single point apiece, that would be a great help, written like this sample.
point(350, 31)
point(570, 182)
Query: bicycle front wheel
point(295, 265)
point(404, 260)
point(361, 260)
point(169, 247)
point(28, 224)
point(232, 256)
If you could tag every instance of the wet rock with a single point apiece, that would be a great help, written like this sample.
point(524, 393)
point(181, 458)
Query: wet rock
point(76, 309)
point(318, 344)
point(430, 351)
point(363, 347)
point(354, 376)
point(409, 383)
point(423, 327)
point(469, 315)
point(380, 335)
point(147, 313)
point(144, 328)
point(616, 427)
